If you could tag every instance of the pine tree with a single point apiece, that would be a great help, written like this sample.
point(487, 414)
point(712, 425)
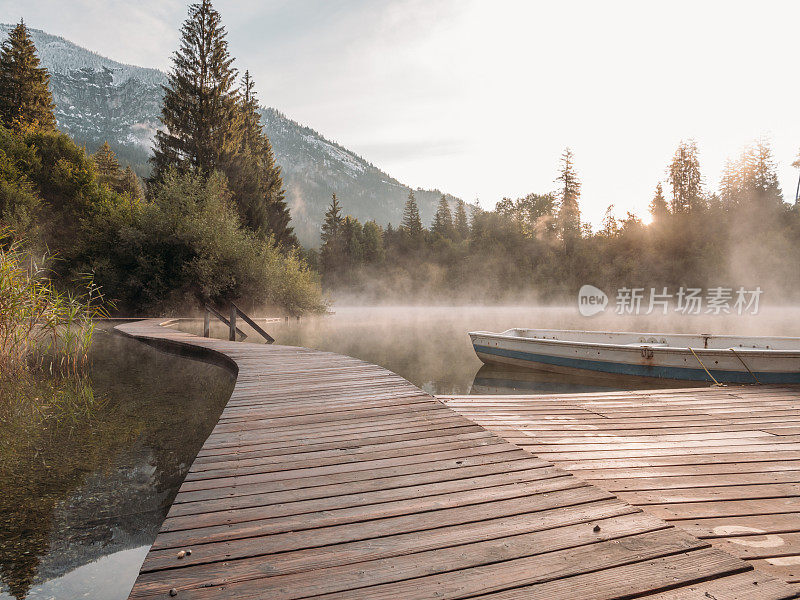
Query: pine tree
point(685, 179)
point(412, 223)
point(331, 226)
point(610, 223)
point(332, 251)
point(26, 103)
point(443, 219)
point(569, 214)
point(535, 214)
point(730, 186)
point(461, 223)
point(199, 110)
point(278, 215)
point(130, 184)
point(763, 180)
point(106, 161)
point(751, 181)
point(352, 241)
point(658, 206)
point(254, 176)
point(374, 252)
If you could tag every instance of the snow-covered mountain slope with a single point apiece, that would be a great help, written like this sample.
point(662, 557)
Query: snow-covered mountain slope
point(99, 99)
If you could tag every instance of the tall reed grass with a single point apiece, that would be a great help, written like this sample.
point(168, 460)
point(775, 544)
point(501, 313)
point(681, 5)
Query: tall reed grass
point(40, 326)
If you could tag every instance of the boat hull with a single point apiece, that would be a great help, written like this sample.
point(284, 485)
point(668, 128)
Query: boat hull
point(643, 361)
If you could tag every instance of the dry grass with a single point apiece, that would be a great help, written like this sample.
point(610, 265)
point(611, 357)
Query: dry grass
point(40, 326)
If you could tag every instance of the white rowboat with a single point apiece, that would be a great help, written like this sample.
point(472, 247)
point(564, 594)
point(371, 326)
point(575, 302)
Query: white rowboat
point(704, 357)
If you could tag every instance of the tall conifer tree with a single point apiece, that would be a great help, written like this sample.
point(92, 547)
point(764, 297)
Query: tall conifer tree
point(26, 103)
point(254, 176)
point(106, 161)
point(412, 223)
point(764, 176)
point(685, 179)
point(443, 219)
point(199, 111)
point(130, 184)
point(461, 222)
point(658, 206)
point(373, 243)
point(751, 181)
point(569, 214)
point(332, 251)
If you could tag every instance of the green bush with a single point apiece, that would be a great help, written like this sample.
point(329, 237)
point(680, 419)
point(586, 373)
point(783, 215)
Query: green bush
point(185, 247)
point(47, 185)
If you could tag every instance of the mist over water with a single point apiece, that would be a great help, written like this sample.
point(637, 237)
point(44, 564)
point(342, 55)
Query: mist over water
point(429, 345)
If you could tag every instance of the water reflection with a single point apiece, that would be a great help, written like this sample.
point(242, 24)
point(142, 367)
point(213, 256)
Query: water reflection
point(500, 379)
point(89, 469)
point(110, 576)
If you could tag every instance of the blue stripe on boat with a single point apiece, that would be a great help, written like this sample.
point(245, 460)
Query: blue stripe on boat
point(684, 373)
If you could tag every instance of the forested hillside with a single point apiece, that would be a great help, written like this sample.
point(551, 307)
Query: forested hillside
point(98, 99)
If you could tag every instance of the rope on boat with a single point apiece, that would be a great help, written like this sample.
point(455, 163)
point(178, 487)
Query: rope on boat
point(736, 354)
point(704, 368)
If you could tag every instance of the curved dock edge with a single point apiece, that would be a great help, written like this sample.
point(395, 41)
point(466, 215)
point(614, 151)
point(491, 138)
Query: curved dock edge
point(175, 344)
point(327, 476)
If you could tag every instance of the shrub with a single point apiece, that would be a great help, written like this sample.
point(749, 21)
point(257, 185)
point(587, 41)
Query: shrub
point(185, 247)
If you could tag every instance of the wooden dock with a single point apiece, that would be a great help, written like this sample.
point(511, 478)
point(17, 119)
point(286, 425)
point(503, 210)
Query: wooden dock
point(720, 463)
point(328, 477)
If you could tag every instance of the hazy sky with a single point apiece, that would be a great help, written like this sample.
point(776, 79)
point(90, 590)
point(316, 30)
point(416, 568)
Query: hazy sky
point(479, 98)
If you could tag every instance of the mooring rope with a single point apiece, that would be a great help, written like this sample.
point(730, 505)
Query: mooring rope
point(704, 368)
point(736, 354)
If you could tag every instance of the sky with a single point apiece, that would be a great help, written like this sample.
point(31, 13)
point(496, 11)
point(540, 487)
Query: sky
point(479, 98)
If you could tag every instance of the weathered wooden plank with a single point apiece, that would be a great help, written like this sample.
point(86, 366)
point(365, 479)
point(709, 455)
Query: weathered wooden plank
point(304, 573)
point(719, 494)
point(280, 494)
point(637, 579)
point(785, 567)
point(640, 484)
point(272, 509)
point(355, 478)
point(728, 508)
point(576, 500)
point(714, 527)
point(742, 586)
point(267, 526)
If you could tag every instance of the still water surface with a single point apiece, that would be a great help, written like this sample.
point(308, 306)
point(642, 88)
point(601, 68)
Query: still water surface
point(81, 499)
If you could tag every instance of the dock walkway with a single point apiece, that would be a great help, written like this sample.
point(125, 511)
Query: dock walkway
point(329, 477)
point(720, 463)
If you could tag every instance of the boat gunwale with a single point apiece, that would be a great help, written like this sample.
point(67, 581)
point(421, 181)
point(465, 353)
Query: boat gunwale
point(782, 353)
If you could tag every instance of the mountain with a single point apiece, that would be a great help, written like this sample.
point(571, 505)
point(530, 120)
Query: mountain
point(99, 99)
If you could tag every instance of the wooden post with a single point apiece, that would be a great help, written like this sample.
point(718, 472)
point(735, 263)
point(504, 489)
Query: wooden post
point(232, 336)
point(224, 319)
point(267, 337)
point(207, 324)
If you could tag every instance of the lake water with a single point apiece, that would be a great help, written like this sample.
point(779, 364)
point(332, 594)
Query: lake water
point(82, 499)
point(429, 346)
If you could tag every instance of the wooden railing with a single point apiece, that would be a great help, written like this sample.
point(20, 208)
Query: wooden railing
point(235, 312)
